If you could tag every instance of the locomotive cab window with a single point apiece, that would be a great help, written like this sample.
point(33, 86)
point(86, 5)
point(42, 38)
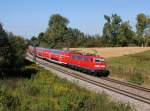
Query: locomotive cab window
point(99, 60)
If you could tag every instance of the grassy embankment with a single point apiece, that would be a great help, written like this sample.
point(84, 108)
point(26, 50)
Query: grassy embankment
point(134, 68)
point(46, 92)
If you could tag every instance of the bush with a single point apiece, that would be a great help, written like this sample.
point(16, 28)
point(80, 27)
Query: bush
point(33, 91)
point(137, 78)
point(9, 102)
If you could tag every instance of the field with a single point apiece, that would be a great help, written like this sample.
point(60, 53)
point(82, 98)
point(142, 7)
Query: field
point(44, 91)
point(113, 51)
point(134, 68)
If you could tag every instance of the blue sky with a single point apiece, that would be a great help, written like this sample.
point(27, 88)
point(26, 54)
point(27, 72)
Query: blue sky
point(30, 17)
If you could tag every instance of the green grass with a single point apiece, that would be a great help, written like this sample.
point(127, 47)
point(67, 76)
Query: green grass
point(134, 68)
point(44, 91)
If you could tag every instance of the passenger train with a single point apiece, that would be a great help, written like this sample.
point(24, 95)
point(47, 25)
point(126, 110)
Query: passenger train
point(92, 64)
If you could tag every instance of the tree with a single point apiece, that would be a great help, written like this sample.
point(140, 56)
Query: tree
point(58, 35)
point(107, 28)
point(93, 41)
point(73, 38)
point(111, 28)
point(3, 37)
point(18, 50)
point(41, 36)
point(4, 50)
point(125, 34)
point(35, 41)
point(115, 25)
point(147, 30)
point(142, 22)
point(141, 25)
point(12, 57)
point(56, 30)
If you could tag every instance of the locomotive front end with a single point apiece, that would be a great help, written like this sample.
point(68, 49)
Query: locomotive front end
point(100, 67)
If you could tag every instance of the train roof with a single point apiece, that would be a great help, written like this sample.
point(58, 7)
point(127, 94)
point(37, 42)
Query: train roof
point(59, 51)
point(56, 51)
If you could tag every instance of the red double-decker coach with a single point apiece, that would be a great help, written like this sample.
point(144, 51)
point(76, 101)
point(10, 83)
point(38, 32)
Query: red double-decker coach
point(88, 63)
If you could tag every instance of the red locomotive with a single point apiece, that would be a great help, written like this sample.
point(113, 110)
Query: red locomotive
point(87, 63)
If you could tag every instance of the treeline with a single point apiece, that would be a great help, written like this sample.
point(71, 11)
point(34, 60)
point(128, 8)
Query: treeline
point(116, 32)
point(12, 52)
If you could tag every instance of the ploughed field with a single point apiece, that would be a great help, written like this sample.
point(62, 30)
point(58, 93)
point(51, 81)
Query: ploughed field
point(130, 64)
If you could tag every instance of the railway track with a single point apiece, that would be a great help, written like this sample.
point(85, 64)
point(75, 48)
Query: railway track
point(127, 84)
point(135, 96)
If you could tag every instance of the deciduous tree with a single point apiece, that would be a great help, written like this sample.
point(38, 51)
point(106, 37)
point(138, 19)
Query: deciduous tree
point(56, 30)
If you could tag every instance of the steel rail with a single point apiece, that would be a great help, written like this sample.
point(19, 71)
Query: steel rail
point(127, 84)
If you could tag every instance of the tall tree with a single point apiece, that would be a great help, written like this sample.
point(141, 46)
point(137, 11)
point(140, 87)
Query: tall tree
point(125, 34)
point(107, 28)
point(111, 28)
point(3, 36)
point(35, 41)
point(4, 50)
point(142, 22)
point(12, 52)
point(18, 49)
point(56, 30)
point(115, 26)
point(73, 38)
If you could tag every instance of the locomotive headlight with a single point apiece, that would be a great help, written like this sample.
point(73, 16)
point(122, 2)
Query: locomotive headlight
point(96, 65)
point(102, 66)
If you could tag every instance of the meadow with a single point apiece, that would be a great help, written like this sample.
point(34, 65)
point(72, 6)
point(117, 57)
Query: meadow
point(134, 68)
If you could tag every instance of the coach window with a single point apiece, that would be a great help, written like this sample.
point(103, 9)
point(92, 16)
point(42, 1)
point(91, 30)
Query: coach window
point(86, 59)
point(82, 58)
point(74, 57)
point(78, 57)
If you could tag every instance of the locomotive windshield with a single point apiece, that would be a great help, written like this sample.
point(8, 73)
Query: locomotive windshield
point(99, 60)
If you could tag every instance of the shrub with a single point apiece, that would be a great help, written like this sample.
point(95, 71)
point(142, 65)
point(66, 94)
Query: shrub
point(9, 102)
point(33, 91)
